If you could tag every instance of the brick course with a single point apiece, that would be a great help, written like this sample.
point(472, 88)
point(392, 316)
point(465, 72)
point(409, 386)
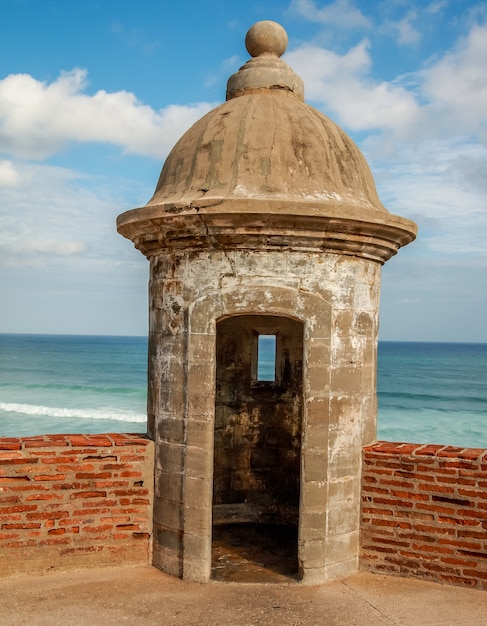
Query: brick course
point(80, 500)
point(75, 500)
point(424, 512)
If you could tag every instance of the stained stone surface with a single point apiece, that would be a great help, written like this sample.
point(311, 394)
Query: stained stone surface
point(265, 218)
point(254, 553)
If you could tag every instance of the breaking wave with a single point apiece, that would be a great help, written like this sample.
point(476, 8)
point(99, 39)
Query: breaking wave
point(118, 415)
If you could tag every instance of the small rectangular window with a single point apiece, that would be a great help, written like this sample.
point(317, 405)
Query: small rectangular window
point(266, 358)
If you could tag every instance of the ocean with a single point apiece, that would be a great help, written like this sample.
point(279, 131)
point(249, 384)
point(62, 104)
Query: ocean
point(427, 392)
point(72, 384)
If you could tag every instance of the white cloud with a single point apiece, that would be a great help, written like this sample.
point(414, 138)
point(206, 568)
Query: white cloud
point(441, 185)
point(339, 13)
point(457, 84)
point(37, 252)
point(436, 7)
point(345, 88)
point(447, 99)
point(404, 30)
point(37, 119)
point(63, 266)
point(57, 216)
point(9, 176)
point(425, 135)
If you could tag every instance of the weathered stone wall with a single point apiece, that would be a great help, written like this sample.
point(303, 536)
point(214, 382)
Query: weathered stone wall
point(264, 207)
point(424, 512)
point(335, 298)
point(75, 500)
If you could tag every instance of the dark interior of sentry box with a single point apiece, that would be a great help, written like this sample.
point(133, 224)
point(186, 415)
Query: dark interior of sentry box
point(257, 450)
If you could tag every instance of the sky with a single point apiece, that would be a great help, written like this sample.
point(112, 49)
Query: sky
point(94, 94)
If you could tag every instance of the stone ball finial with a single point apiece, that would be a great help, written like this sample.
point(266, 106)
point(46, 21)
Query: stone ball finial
point(265, 72)
point(266, 37)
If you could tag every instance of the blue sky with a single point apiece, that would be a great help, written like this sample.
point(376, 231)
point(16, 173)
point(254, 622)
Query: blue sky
point(94, 93)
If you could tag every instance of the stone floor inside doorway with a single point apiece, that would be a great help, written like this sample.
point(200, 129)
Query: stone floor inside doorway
point(254, 553)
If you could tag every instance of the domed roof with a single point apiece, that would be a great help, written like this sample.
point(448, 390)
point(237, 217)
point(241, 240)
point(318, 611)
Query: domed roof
point(266, 153)
point(267, 149)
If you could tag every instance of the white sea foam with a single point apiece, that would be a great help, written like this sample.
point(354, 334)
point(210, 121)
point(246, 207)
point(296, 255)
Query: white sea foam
point(118, 415)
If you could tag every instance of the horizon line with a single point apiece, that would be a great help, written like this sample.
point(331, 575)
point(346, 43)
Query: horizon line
point(145, 336)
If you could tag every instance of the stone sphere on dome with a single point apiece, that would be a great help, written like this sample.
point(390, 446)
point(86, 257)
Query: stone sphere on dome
point(266, 37)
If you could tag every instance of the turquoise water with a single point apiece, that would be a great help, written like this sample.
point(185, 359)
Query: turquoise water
point(58, 383)
point(427, 392)
point(433, 393)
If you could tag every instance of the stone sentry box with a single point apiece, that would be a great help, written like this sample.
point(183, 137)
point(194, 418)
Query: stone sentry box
point(265, 220)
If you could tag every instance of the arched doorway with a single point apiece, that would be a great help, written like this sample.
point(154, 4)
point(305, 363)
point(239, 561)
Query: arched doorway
point(257, 446)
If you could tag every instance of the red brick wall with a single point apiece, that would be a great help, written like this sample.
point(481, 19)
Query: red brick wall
point(74, 500)
point(424, 512)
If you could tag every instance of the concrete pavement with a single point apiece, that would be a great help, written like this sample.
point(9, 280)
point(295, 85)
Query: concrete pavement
point(144, 596)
